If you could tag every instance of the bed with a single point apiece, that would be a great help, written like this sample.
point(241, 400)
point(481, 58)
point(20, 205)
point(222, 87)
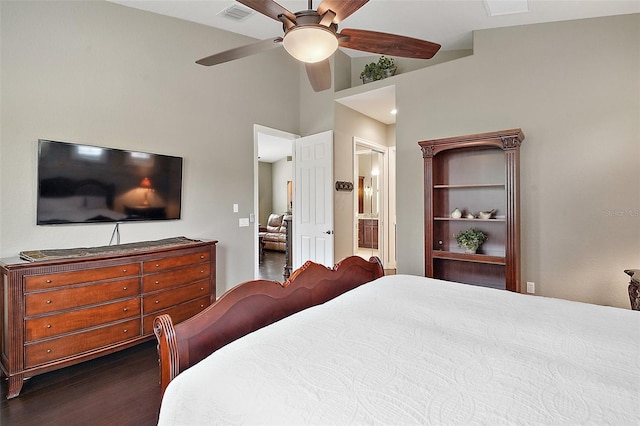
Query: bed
point(350, 346)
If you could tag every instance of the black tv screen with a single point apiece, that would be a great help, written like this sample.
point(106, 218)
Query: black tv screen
point(91, 184)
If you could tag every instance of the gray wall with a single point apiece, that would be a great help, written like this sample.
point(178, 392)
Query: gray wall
point(265, 192)
point(574, 89)
point(282, 173)
point(349, 124)
point(103, 74)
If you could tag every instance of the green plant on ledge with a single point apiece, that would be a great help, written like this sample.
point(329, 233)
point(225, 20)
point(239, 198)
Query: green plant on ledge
point(470, 239)
point(374, 71)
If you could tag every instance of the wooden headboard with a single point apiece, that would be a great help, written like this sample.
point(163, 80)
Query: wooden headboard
point(251, 306)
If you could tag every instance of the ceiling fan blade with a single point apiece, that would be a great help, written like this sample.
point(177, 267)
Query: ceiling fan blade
point(269, 8)
point(387, 44)
point(342, 8)
point(240, 52)
point(319, 74)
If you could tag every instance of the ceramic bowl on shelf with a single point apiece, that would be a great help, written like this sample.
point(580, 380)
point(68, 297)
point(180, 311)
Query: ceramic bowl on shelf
point(487, 214)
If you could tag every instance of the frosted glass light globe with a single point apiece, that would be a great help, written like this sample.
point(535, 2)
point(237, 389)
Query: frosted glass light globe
point(310, 43)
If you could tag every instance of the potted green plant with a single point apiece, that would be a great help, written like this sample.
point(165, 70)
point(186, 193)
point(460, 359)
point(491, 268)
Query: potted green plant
point(470, 239)
point(385, 67)
point(371, 73)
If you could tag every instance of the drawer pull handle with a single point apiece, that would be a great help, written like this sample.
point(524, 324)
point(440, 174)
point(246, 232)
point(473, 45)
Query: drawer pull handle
point(202, 256)
point(202, 306)
point(124, 270)
point(124, 288)
point(157, 301)
point(201, 271)
point(125, 330)
point(201, 288)
point(48, 351)
point(157, 282)
point(48, 325)
point(48, 281)
point(48, 302)
point(125, 309)
point(157, 265)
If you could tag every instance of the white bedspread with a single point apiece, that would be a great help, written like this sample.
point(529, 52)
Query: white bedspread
point(412, 350)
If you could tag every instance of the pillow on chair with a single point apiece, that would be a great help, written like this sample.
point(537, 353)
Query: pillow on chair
point(274, 222)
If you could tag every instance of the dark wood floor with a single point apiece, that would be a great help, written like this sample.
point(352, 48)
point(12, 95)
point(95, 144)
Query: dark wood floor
point(119, 389)
point(271, 267)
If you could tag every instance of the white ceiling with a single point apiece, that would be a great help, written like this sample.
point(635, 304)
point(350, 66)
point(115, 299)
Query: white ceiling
point(272, 148)
point(447, 22)
point(376, 103)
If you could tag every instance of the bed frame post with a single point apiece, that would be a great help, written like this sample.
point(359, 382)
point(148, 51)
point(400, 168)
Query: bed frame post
point(167, 350)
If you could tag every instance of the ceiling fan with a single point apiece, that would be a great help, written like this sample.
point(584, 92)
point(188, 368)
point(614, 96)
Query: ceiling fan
point(312, 36)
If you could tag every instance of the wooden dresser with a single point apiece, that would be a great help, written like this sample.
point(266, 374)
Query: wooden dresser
point(56, 313)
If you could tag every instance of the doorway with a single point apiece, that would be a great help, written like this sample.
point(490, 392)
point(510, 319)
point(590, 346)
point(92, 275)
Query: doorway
point(370, 199)
point(273, 190)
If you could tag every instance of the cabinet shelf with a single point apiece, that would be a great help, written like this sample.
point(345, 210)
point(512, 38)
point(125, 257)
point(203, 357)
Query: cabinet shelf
point(462, 219)
point(473, 185)
point(469, 257)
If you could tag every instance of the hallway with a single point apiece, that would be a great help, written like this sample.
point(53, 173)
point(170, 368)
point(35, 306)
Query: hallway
point(272, 266)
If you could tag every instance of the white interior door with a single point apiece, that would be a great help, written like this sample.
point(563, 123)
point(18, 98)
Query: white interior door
point(313, 200)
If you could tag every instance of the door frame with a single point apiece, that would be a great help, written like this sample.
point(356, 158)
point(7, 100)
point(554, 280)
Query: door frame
point(383, 230)
point(257, 131)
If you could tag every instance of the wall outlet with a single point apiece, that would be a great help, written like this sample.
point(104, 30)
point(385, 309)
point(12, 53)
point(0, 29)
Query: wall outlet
point(531, 287)
point(243, 221)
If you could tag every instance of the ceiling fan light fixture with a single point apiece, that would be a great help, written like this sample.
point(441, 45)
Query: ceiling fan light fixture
point(310, 43)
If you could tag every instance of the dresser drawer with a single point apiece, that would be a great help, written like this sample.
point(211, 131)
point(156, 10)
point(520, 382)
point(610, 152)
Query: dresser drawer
point(68, 298)
point(175, 277)
point(178, 313)
point(172, 262)
point(78, 343)
point(59, 279)
point(164, 299)
point(53, 325)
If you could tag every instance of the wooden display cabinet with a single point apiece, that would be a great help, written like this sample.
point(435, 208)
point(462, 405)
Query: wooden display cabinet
point(473, 173)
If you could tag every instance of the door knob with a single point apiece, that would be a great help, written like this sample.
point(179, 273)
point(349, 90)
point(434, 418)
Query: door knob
point(328, 232)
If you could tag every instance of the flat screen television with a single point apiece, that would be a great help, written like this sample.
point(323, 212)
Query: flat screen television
point(91, 184)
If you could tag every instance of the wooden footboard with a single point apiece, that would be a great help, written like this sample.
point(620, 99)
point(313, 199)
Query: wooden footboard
point(253, 305)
